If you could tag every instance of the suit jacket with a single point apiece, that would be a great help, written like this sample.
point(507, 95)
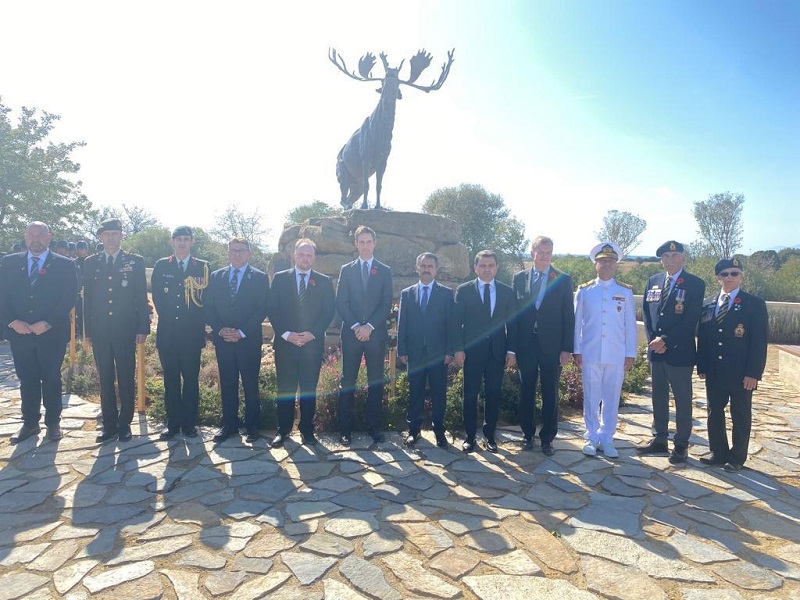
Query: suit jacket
point(246, 311)
point(676, 322)
point(357, 307)
point(554, 319)
point(474, 329)
point(286, 314)
point(179, 321)
point(429, 334)
point(51, 299)
point(115, 305)
point(728, 352)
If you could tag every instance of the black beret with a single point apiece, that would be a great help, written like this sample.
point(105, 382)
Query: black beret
point(82, 244)
point(728, 263)
point(182, 230)
point(109, 225)
point(670, 246)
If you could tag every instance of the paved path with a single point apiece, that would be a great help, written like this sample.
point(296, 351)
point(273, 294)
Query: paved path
point(151, 519)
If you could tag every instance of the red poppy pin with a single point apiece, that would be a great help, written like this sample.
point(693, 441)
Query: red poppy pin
point(552, 275)
point(737, 300)
point(680, 280)
point(311, 281)
point(43, 271)
point(374, 271)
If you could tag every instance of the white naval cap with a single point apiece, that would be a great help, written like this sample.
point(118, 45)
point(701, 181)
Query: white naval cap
point(606, 250)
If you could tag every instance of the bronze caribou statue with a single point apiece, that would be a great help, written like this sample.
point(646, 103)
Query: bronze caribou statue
point(367, 150)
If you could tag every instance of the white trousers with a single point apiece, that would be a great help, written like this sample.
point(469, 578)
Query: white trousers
point(602, 385)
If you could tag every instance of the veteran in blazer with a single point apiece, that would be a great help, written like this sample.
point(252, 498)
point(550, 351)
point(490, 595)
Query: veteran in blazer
point(38, 289)
point(545, 330)
point(117, 318)
point(484, 344)
point(236, 305)
point(731, 356)
point(302, 305)
point(363, 302)
point(178, 283)
point(671, 308)
point(425, 343)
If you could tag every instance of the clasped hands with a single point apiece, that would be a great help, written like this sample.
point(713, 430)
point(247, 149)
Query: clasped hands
point(229, 334)
point(658, 346)
point(23, 328)
point(300, 339)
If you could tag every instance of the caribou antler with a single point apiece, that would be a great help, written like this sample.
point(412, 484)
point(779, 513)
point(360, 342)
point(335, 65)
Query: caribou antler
point(419, 62)
point(365, 65)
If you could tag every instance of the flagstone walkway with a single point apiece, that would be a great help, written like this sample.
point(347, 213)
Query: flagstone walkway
point(183, 519)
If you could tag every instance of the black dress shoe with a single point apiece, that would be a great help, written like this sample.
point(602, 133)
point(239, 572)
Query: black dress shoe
point(106, 437)
point(733, 467)
point(24, 433)
point(278, 440)
point(125, 434)
point(223, 434)
point(190, 432)
point(377, 436)
point(167, 434)
point(468, 446)
point(252, 436)
point(654, 447)
point(411, 439)
point(713, 460)
point(679, 455)
point(547, 449)
point(344, 439)
point(441, 440)
point(527, 443)
point(490, 445)
point(54, 432)
point(309, 439)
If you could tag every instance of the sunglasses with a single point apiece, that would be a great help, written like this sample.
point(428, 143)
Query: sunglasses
point(730, 274)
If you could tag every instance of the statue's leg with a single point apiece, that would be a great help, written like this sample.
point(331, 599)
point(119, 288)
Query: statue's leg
point(379, 183)
point(365, 204)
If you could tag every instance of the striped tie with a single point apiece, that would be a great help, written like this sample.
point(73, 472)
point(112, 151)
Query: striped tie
point(301, 294)
point(424, 302)
point(234, 283)
point(34, 274)
point(723, 307)
point(665, 293)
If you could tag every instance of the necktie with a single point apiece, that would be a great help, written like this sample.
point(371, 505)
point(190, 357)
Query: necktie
point(34, 274)
point(301, 294)
point(536, 287)
point(182, 267)
point(234, 283)
point(665, 293)
point(110, 264)
point(423, 304)
point(365, 274)
point(487, 299)
point(723, 307)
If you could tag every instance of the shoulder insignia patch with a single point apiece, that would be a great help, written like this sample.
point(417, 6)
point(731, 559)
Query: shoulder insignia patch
point(587, 284)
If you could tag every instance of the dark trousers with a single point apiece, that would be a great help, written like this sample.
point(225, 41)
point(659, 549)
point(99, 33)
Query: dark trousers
point(533, 364)
point(664, 377)
point(480, 367)
point(37, 362)
point(741, 402)
point(374, 353)
point(115, 361)
point(181, 365)
point(236, 359)
point(434, 371)
point(298, 375)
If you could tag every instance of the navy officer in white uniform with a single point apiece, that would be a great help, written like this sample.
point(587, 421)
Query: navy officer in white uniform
point(605, 347)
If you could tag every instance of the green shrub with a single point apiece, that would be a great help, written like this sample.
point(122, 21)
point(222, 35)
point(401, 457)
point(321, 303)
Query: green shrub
point(83, 379)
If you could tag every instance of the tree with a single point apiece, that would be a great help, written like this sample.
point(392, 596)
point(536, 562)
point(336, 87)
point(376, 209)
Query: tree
point(485, 222)
point(37, 177)
point(623, 228)
point(137, 218)
point(233, 223)
point(317, 209)
point(719, 221)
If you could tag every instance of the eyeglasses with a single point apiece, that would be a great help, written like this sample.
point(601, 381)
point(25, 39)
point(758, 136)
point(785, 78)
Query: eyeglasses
point(238, 250)
point(730, 274)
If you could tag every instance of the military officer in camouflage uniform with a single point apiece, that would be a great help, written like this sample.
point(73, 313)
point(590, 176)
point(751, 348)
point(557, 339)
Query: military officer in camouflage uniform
point(116, 319)
point(177, 285)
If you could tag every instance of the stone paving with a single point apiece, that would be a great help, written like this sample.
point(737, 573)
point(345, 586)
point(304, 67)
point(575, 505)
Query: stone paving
point(183, 519)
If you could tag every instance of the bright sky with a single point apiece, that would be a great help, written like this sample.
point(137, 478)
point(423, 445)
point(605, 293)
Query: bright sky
point(566, 108)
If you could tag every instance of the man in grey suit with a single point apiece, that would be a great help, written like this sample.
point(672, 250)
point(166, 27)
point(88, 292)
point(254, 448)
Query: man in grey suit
point(425, 343)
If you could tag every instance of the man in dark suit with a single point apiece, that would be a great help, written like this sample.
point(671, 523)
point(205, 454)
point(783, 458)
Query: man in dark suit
point(363, 301)
point(545, 329)
point(178, 283)
point(116, 317)
point(425, 343)
point(300, 310)
point(38, 289)
point(485, 342)
point(731, 356)
point(671, 308)
point(236, 306)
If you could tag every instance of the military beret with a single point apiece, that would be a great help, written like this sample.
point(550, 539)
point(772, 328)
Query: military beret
point(670, 246)
point(182, 230)
point(62, 244)
point(82, 245)
point(109, 225)
point(728, 263)
point(72, 246)
point(606, 250)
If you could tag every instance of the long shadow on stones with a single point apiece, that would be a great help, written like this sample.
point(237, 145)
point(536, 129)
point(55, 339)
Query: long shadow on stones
point(29, 506)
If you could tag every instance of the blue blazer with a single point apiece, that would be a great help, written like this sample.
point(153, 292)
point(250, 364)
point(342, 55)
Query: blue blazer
point(246, 311)
point(431, 331)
